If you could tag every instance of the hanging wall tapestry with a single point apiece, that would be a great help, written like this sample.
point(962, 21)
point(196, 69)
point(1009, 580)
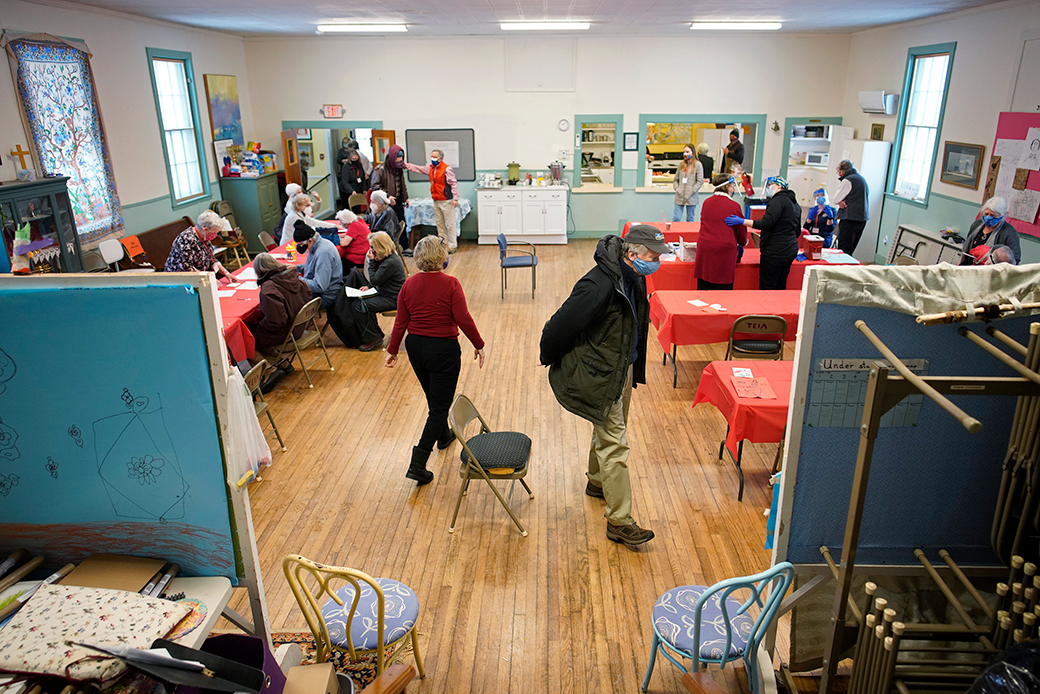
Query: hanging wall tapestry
point(61, 113)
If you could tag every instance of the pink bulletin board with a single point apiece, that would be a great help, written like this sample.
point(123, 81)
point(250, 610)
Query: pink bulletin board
point(1014, 126)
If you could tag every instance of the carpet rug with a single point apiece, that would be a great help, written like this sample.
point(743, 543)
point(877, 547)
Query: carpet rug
point(362, 671)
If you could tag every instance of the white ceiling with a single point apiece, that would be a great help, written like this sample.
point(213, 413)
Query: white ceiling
point(481, 17)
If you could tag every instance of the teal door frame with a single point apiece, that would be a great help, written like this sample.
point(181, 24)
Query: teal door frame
point(618, 120)
point(788, 122)
point(332, 124)
point(744, 119)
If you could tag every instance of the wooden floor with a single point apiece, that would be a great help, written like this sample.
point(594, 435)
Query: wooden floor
point(564, 609)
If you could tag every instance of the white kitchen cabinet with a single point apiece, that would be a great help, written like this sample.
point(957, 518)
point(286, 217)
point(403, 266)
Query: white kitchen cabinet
point(804, 181)
point(536, 215)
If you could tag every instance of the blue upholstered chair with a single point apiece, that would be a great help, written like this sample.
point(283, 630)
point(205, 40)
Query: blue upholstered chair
point(520, 258)
point(490, 455)
point(360, 615)
point(708, 625)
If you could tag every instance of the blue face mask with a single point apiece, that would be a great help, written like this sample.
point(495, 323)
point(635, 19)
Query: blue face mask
point(991, 221)
point(821, 201)
point(646, 267)
point(445, 266)
point(434, 162)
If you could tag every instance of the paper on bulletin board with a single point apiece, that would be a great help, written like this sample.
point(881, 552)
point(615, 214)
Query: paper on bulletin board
point(449, 148)
point(1031, 151)
point(1024, 205)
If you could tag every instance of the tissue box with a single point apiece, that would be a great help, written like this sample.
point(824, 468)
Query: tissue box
point(687, 251)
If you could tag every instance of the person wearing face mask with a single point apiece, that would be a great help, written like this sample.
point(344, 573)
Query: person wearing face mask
point(389, 178)
point(990, 230)
point(381, 216)
point(734, 152)
point(191, 251)
point(444, 188)
point(302, 209)
point(780, 230)
point(352, 177)
point(820, 220)
point(431, 308)
point(719, 245)
point(343, 156)
point(595, 347)
point(707, 163)
point(323, 270)
point(853, 207)
point(689, 178)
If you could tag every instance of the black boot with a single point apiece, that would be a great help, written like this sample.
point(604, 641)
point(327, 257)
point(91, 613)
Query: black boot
point(417, 468)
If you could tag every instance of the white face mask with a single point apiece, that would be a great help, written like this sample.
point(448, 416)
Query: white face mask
point(309, 211)
point(770, 192)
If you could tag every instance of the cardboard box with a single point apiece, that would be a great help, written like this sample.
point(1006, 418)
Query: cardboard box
point(312, 679)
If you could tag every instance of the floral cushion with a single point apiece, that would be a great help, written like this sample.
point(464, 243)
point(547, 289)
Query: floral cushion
point(401, 605)
point(673, 616)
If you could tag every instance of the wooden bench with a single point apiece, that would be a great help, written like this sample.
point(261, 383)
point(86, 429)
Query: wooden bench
point(158, 241)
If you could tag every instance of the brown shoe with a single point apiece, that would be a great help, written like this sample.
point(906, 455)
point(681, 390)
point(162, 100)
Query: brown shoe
point(371, 346)
point(593, 491)
point(629, 534)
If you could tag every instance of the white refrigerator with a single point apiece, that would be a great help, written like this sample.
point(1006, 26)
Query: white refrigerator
point(870, 158)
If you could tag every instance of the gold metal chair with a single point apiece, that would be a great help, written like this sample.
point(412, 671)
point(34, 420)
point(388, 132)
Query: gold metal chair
point(360, 615)
point(906, 260)
point(253, 379)
point(490, 455)
point(358, 200)
point(307, 317)
point(767, 341)
point(267, 240)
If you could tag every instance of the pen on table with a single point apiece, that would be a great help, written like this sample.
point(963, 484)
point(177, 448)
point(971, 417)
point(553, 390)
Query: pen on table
point(20, 573)
point(24, 598)
point(168, 576)
point(16, 556)
point(147, 590)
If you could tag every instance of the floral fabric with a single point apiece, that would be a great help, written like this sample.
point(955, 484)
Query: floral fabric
point(36, 639)
point(61, 109)
point(674, 613)
point(400, 603)
point(189, 253)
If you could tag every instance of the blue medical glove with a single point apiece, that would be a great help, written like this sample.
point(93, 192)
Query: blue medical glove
point(734, 220)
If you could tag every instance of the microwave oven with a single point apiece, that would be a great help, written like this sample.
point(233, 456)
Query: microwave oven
point(817, 158)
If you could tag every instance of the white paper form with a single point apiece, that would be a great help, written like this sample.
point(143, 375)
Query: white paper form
point(1030, 158)
point(1024, 205)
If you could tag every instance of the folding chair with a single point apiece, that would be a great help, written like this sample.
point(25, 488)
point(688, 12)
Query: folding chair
point(268, 241)
point(491, 455)
point(291, 347)
point(359, 201)
point(765, 338)
point(253, 379)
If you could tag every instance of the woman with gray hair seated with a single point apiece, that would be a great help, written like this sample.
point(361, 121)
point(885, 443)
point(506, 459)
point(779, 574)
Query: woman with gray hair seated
point(991, 229)
point(354, 319)
point(191, 251)
point(381, 216)
point(282, 295)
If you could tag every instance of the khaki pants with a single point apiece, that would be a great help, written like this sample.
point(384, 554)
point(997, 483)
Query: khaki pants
point(444, 214)
point(608, 459)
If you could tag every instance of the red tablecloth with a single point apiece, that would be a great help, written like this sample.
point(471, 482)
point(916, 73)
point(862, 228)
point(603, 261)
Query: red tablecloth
point(675, 274)
point(687, 230)
point(237, 309)
point(754, 419)
point(679, 322)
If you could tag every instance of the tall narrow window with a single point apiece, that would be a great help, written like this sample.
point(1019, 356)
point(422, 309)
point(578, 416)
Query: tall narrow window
point(174, 89)
point(921, 114)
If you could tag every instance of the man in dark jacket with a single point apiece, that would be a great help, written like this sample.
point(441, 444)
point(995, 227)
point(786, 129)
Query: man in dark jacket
point(780, 227)
point(851, 200)
point(595, 348)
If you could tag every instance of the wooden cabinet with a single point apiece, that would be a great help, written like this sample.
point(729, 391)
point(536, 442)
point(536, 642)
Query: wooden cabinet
point(44, 205)
point(256, 204)
point(536, 215)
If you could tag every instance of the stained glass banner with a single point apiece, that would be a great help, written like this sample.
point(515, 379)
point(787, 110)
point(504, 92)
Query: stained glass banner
point(60, 108)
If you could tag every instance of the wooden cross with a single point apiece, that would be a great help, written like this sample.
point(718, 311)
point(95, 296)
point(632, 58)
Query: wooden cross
point(21, 154)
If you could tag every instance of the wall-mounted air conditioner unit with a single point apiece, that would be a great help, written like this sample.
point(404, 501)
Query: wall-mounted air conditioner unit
point(878, 102)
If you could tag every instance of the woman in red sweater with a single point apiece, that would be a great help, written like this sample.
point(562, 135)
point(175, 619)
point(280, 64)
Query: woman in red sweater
point(432, 308)
point(354, 241)
point(716, 260)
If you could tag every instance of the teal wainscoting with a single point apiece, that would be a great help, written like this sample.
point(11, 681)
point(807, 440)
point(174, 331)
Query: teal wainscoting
point(148, 214)
point(942, 211)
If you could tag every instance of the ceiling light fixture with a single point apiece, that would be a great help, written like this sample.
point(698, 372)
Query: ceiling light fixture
point(361, 28)
point(545, 26)
point(735, 26)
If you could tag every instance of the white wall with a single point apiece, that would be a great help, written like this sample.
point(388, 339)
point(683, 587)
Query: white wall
point(120, 66)
point(460, 82)
point(984, 65)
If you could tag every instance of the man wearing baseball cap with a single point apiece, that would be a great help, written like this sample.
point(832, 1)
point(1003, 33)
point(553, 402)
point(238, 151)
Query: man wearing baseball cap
point(595, 348)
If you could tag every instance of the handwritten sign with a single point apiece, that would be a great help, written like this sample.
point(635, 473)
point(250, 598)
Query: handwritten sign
point(754, 388)
point(865, 364)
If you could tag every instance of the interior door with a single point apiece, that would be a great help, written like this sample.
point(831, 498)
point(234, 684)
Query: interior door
point(381, 141)
point(291, 157)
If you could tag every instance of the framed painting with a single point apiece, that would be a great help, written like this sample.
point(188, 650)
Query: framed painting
point(225, 115)
point(962, 164)
point(877, 131)
point(306, 153)
point(303, 133)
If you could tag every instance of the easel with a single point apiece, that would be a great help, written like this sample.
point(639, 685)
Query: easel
point(884, 391)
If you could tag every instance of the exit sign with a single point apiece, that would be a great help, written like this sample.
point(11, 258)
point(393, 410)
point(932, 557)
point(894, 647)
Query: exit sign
point(332, 110)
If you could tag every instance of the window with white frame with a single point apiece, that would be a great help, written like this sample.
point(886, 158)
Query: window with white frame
point(175, 101)
point(924, 100)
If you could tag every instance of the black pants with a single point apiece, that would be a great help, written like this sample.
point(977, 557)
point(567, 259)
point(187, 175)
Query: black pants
point(437, 362)
point(356, 320)
point(705, 285)
point(848, 235)
point(773, 271)
point(397, 236)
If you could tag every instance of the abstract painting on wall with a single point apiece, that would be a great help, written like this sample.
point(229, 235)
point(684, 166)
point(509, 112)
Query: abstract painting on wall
point(224, 112)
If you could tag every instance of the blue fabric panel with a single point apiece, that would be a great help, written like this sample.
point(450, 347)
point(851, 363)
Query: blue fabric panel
point(401, 610)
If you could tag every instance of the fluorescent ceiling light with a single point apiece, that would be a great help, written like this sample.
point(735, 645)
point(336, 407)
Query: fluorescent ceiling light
point(736, 26)
point(360, 28)
point(545, 26)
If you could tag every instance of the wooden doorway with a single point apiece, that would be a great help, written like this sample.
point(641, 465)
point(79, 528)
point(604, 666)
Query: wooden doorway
point(381, 141)
point(291, 157)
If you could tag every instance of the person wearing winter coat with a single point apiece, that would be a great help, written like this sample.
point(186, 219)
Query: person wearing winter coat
point(780, 227)
point(389, 178)
point(689, 178)
point(282, 295)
